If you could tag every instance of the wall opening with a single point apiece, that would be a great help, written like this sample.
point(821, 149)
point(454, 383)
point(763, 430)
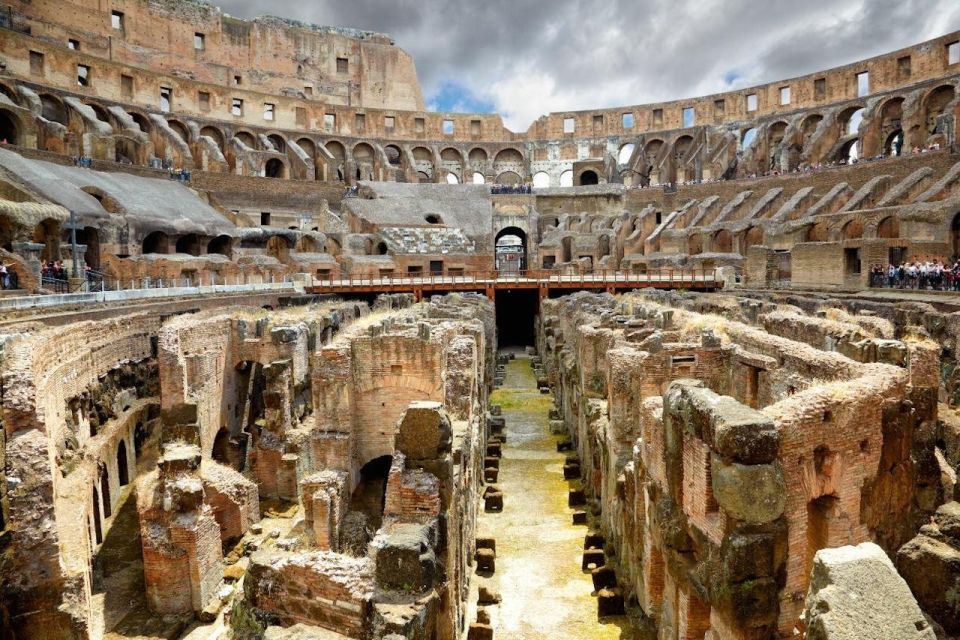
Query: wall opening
point(516, 309)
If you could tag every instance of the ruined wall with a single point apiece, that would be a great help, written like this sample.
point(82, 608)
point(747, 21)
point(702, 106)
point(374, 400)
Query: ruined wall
point(720, 456)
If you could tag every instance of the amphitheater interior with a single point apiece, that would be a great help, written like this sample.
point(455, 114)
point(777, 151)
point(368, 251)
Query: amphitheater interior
point(286, 355)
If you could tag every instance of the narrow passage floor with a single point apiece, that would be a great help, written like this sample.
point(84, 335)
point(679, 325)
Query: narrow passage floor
point(539, 550)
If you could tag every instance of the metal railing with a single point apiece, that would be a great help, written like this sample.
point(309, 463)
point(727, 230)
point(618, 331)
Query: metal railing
point(530, 277)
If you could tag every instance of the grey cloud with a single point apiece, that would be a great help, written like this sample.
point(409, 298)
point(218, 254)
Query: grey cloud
point(605, 53)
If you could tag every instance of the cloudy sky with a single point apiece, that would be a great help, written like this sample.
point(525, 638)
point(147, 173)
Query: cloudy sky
point(526, 58)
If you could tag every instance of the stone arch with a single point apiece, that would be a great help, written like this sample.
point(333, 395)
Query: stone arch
point(752, 237)
point(934, 105)
point(10, 92)
point(626, 152)
point(479, 178)
point(101, 113)
point(541, 180)
point(47, 233)
point(142, 121)
point(589, 177)
point(123, 473)
point(53, 109)
point(723, 241)
point(852, 229)
point(156, 242)
point(214, 134)
point(450, 154)
point(508, 256)
point(477, 156)
point(309, 147)
point(508, 177)
point(278, 141)
point(332, 246)
point(181, 129)
point(248, 139)
point(818, 232)
point(188, 244)
point(275, 168)
point(306, 244)
point(747, 137)
point(850, 119)
point(566, 178)
point(9, 127)
point(695, 244)
point(363, 152)
point(508, 155)
point(889, 227)
point(394, 156)
point(279, 247)
point(90, 237)
point(221, 245)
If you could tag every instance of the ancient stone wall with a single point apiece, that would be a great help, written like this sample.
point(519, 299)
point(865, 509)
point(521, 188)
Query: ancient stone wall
point(721, 456)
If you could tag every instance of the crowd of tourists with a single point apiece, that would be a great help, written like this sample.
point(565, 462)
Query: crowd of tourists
point(933, 273)
point(180, 175)
point(511, 189)
point(84, 162)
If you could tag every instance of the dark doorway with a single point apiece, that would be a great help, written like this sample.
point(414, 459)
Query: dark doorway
point(589, 177)
point(516, 309)
point(122, 471)
point(97, 527)
point(274, 169)
point(8, 129)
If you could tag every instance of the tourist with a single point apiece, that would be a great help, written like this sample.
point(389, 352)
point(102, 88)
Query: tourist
point(4, 276)
point(891, 276)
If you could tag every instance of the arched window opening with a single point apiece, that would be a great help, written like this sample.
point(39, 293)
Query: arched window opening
point(589, 177)
point(894, 144)
point(541, 180)
point(452, 178)
point(52, 109)
point(189, 244)
point(214, 134)
point(477, 156)
point(723, 242)
point(156, 242)
point(433, 218)
point(393, 155)
point(279, 248)
point(275, 168)
point(852, 230)
point(626, 152)
point(478, 178)
point(747, 138)
point(889, 227)
point(222, 245)
point(279, 144)
point(566, 178)
point(510, 247)
point(247, 139)
point(180, 129)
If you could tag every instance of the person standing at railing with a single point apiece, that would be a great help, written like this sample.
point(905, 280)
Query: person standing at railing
point(4, 276)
